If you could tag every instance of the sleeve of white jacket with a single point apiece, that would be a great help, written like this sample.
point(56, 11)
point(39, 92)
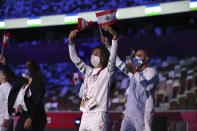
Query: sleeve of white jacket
point(149, 80)
point(112, 59)
point(83, 68)
point(81, 91)
point(120, 64)
point(7, 116)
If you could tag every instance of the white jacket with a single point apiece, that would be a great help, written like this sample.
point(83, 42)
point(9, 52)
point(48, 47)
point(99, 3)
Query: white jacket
point(4, 93)
point(100, 88)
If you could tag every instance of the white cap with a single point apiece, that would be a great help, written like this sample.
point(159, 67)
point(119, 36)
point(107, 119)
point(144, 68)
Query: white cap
point(176, 67)
point(164, 64)
point(171, 74)
point(190, 71)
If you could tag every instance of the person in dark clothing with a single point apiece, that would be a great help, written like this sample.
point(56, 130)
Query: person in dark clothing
point(26, 97)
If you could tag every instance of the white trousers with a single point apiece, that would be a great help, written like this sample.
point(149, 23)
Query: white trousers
point(148, 115)
point(94, 121)
point(132, 124)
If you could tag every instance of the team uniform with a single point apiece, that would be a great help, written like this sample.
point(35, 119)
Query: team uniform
point(96, 89)
point(139, 107)
point(4, 92)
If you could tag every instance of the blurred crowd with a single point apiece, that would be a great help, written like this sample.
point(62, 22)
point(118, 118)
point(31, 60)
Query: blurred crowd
point(177, 88)
point(32, 8)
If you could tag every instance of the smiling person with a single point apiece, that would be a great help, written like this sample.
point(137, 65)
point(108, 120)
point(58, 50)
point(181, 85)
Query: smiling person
point(97, 82)
point(26, 97)
point(5, 88)
point(139, 109)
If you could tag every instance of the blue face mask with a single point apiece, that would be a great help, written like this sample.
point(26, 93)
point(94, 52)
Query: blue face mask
point(25, 73)
point(137, 61)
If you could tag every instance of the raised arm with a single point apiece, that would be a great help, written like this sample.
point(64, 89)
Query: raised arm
point(113, 51)
point(119, 63)
point(74, 57)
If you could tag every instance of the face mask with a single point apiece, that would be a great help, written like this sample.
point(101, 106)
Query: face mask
point(95, 60)
point(25, 73)
point(138, 61)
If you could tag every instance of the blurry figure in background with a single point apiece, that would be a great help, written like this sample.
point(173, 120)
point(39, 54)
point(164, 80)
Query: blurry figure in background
point(97, 82)
point(139, 110)
point(26, 97)
point(5, 88)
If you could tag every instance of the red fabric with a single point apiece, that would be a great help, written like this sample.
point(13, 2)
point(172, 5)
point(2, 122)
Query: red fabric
point(105, 12)
point(73, 81)
point(90, 23)
point(79, 25)
point(4, 42)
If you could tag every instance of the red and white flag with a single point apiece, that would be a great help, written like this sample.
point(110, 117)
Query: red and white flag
point(82, 24)
point(6, 39)
point(106, 17)
point(76, 78)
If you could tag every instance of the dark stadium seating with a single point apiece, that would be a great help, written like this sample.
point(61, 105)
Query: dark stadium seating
point(170, 95)
point(32, 8)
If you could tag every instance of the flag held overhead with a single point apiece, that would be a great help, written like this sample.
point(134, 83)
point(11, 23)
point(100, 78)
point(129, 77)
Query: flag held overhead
point(106, 17)
point(82, 24)
point(6, 39)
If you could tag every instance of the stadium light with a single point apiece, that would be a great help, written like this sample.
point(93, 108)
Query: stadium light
point(77, 122)
point(2, 24)
point(152, 10)
point(71, 19)
point(193, 5)
point(34, 22)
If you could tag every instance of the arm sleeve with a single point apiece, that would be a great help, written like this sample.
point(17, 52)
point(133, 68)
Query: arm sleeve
point(81, 91)
point(112, 59)
point(7, 116)
point(120, 64)
point(83, 68)
point(148, 80)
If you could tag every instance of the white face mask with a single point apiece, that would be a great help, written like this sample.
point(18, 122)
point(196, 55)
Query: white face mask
point(95, 60)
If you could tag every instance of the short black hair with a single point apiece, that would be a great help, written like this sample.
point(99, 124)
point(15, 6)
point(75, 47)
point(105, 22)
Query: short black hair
point(145, 51)
point(104, 54)
point(7, 77)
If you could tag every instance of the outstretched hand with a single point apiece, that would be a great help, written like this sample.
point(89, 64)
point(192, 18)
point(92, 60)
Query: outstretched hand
point(105, 41)
point(110, 30)
point(72, 35)
point(2, 60)
point(131, 67)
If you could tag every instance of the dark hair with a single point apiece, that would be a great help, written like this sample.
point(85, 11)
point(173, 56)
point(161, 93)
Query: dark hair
point(145, 51)
point(104, 54)
point(7, 78)
point(35, 72)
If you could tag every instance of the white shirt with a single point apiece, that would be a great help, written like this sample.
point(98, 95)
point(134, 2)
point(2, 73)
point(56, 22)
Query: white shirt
point(99, 88)
point(139, 104)
point(20, 98)
point(4, 93)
